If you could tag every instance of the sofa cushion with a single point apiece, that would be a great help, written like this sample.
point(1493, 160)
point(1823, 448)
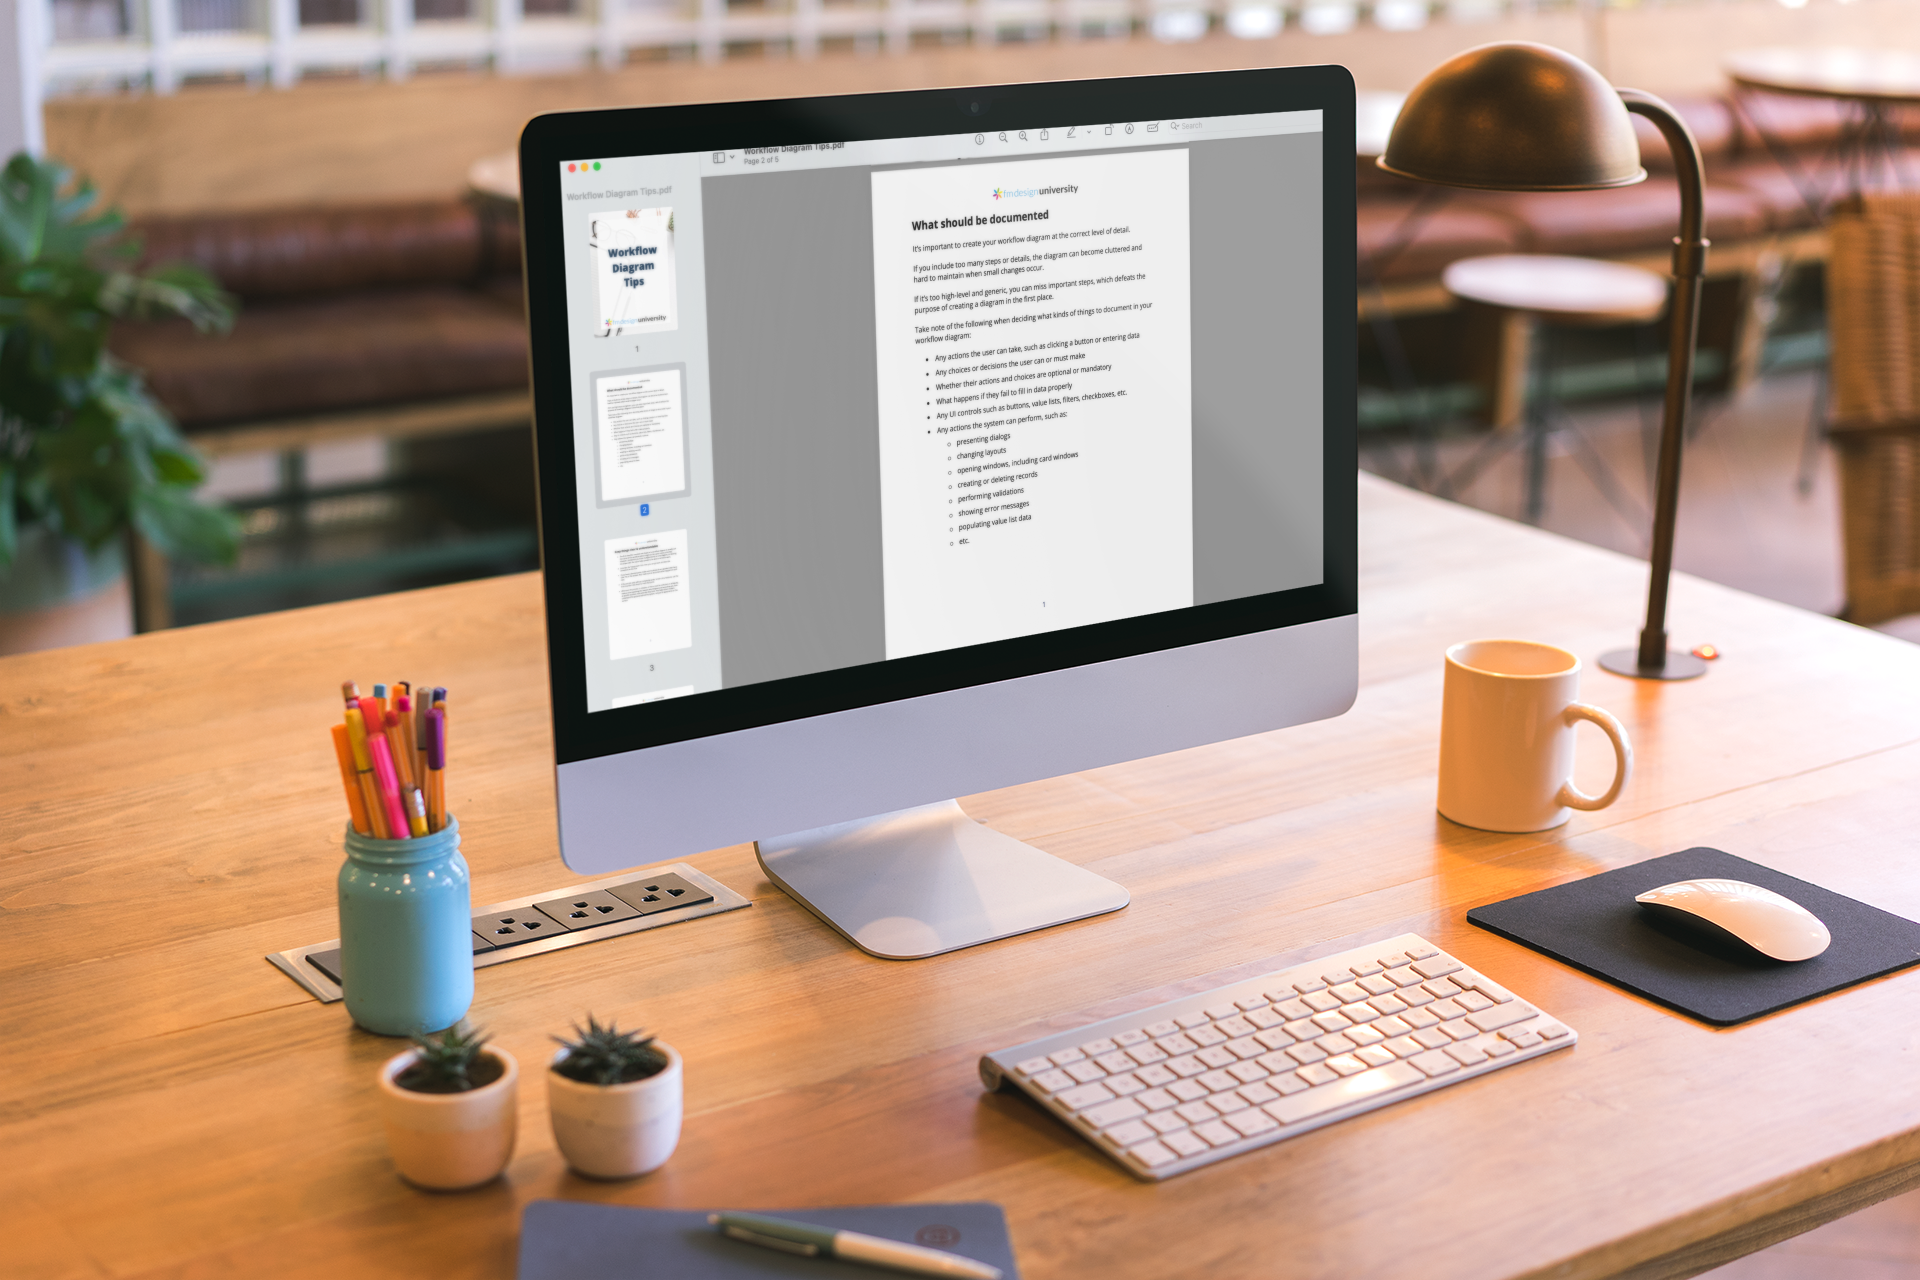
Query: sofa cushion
point(1403, 239)
point(1633, 219)
point(285, 253)
point(331, 354)
point(1785, 194)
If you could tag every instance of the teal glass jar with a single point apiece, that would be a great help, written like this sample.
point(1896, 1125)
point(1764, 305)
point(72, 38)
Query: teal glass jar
point(406, 932)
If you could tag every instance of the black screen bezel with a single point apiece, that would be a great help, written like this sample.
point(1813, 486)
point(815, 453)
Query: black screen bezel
point(549, 141)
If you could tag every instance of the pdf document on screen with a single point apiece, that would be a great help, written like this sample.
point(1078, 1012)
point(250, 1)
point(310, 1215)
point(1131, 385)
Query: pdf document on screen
point(647, 605)
point(1032, 323)
point(643, 435)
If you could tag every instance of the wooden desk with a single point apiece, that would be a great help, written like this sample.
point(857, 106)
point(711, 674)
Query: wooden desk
point(171, 1105)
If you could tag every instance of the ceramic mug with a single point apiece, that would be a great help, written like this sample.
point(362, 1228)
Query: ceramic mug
point(1506, 737)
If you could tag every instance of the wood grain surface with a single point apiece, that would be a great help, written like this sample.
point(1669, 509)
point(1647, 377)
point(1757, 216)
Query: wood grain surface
point(170, 1105)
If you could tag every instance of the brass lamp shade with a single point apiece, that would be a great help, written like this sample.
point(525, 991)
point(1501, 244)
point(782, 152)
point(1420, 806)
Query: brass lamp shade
point(1515, 117)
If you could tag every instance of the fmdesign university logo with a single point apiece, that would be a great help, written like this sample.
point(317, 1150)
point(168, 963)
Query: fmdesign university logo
point(998, 193)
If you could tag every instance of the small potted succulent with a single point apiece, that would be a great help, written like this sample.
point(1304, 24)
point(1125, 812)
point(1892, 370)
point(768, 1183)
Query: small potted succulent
point(615, 1101)
point(450, 1105)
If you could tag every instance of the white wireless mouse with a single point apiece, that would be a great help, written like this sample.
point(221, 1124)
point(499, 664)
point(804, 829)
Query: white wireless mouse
point(1772, 925)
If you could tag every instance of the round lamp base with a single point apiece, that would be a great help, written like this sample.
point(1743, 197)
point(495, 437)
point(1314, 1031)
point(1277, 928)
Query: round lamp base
point(1626, 662)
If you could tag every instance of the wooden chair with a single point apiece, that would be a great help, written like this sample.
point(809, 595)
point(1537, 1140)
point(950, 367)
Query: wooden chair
point(1873, 320)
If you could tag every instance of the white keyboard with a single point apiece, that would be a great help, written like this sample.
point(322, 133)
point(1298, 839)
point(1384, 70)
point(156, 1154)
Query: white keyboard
point(1208, 1076)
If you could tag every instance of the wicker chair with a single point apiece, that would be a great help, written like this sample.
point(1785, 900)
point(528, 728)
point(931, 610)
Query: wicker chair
point(1873, 317)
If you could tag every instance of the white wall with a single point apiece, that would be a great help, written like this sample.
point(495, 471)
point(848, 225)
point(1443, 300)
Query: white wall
point(20, 51)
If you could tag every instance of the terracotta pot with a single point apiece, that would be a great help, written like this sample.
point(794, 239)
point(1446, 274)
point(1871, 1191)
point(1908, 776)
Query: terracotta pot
point(616, 1130)
point(57, 593)
point(450, 1141)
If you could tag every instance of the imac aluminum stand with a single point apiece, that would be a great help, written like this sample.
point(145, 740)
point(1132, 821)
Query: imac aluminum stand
point(919, 882)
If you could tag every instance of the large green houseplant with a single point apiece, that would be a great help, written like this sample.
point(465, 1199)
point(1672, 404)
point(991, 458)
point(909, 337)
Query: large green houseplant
point(86, 452)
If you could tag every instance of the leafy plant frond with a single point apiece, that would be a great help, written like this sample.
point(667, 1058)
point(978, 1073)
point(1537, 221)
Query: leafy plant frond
point(449, 1062)
point(608, 1055)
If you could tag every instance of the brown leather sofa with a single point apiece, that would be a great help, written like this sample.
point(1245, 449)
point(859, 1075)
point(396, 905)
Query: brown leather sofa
point(342, 309)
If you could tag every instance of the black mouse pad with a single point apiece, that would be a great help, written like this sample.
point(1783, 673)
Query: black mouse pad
point(1596, 926)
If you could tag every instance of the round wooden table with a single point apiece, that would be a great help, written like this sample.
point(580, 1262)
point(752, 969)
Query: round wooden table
point(1874, 83)
point(1526, 291)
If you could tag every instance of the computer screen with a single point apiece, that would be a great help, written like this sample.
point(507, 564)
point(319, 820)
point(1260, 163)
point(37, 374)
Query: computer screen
point(851, 401)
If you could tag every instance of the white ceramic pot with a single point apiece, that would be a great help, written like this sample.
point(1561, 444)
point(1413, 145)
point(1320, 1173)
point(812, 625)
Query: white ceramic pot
point(450, 1141)
point(617, 1130)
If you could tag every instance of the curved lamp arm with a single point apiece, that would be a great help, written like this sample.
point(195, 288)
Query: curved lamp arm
point(1689, 265)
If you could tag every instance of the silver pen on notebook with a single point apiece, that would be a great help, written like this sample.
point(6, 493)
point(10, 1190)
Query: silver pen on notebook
point(810, 1241)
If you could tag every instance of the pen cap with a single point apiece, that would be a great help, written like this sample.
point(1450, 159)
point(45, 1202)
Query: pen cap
point(436, 739)
point(374, 714)
point(357, 739)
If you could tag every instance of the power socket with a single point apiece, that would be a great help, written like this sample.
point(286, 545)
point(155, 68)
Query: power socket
point(663, 892)
point(510, 928)
point(585, 910)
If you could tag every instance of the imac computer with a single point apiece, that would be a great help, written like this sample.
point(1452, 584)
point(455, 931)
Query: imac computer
point(898, 447)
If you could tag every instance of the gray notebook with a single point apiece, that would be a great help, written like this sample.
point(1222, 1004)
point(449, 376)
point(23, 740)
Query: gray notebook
point(568, 1240)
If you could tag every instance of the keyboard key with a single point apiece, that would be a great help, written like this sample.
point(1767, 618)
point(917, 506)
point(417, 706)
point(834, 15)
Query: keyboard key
point(1186, 1066)
point(1349, 992)
point(1437, 966)
point(1249, 1003)
point(1188, 1090)
point(1207, 1036)
point(1245, 1048)
point(1034, 1066)
point(1112, 1113)
point(1377, 985)
point(1066, 1056)
point(1217, 1132)
point(1251, 1123)
point(1321, 1001)
point(1306, 1053)
point(1335, 1043)
point(1521, 1039)
point(1152, 1154)
point(1196, 1112)
point(1154, 1076)
point(1376, 1056)
point(1273, 1039)
point(1303, 985)
point(1115, 1061)
point(1359, 1088)
point(1365, 968)
point(1433, 1037)
point(1302, 1030)
point(1094, 1048)
point(1174, 1045)
point(1334, 977)
point(1130, 1132)
point(1053, 1081)
point(1387, 1006)
point(1393, 960)
point(1156, 1099)
point(1422, 952)
point(1265, 1018)
point(1165, 1122)
point(1459, 1029)
point(1124, 1084)
point(1235, 1027)
point(1331, 1021)
point(1318, 1073)
point(1403, 1046)
point(1358, 1013)
point(1293, 1010)
point(1288, 1084)
point(1445, 1009)
point(1188, 1021)
point(1146, 1055)
point(1126, 1038)
point(1472, 1001)
point(1404, 978)
point(1247, 1072)
point(1227, 1103)
point(1414, 996)
point(1085, 1096)
point(1363, 1035)
point(1346, 1064)
point(1547, 1030)
point(1434, 1062)
point(1392, 1026)
point(1496, 1048)
point(1277, 1061)
point(1417, 1018)
point(1184, 1142)
point(1492, 991)
point(1217, 1011)
point(1218, 1056)
point(1086, 1072)
point(1167, 1028)
point(1218, 1081)
point(1260, 1092)
point(1466, 1054)
point(1441, 988)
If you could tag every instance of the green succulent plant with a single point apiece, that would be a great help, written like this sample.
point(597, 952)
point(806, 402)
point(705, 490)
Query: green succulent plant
point(608, 1055)
point(450, 1062)
point(85, 449)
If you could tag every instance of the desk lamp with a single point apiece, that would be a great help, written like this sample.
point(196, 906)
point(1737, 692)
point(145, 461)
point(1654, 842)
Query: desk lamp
point(1525, 117)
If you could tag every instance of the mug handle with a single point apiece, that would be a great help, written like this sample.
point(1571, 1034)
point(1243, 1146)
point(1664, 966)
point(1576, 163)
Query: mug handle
point(1570, 795)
